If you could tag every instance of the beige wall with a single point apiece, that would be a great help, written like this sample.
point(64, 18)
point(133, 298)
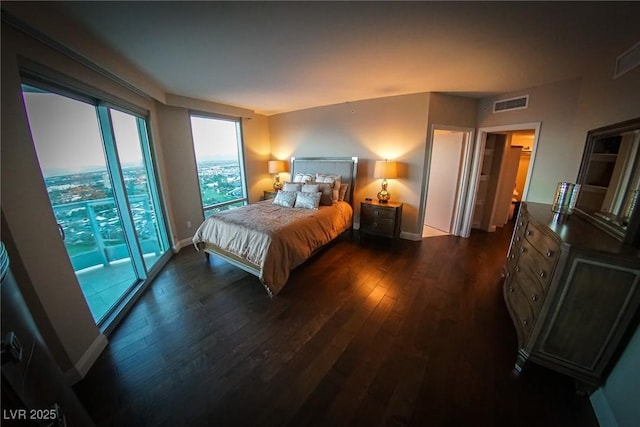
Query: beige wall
point(558, 156)
point(183, 196)
point(383, 128)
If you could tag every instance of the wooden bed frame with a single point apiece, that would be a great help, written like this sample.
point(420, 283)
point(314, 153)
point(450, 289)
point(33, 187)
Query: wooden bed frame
point(347, 167)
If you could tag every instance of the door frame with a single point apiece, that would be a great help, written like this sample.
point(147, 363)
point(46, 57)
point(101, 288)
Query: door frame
point(463, 181)
point(476, 166)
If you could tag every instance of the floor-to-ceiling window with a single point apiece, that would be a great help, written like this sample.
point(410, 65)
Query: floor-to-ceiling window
point(96, 162)
point(217, 145)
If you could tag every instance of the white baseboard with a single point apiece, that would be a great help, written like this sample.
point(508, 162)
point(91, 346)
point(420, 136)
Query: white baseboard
point(410, 236)
point(182, 244)
point(602, 409)
point(87, 360)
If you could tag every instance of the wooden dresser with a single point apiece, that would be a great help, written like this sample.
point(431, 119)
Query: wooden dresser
point(572, 292)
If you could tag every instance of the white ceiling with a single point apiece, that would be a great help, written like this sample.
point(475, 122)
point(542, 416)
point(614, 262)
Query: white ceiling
point(281, 56)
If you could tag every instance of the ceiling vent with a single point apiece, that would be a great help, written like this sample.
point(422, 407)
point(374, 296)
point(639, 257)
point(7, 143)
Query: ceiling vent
point(511, 104)
point(627, 61)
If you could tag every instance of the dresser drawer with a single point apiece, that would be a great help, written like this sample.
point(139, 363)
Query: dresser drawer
point(542, 242)
point(520, 307)
point(535, 265)
point(531, 289)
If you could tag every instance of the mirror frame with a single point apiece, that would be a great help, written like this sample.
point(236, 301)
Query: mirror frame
point(631, 235)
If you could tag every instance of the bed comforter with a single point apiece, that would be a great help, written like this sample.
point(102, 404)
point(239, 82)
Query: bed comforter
point(272, 238)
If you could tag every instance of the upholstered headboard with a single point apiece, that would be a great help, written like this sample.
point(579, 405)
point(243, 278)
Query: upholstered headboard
point(347, 167)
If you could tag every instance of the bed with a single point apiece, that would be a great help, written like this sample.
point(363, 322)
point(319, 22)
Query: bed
point(269, 239)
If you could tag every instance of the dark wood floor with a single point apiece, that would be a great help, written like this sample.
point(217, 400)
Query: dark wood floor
point(363, 334)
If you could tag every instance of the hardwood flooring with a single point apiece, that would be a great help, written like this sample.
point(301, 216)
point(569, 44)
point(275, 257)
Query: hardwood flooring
point(414, 334)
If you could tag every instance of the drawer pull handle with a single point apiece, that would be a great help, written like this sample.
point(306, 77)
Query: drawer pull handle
point(517, 268)
point(517, 238)
point(534, 298)
point(520, 224)
point(529, 233)
point(512, 256)
point(510, 289)
point(522, 250)
point(542, 274)
point(549, 253)
point(525, 322)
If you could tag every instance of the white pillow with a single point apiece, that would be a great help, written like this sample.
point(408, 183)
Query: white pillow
point(305, 178)
point(285, 198)
point(291, 186)
point(334, 180)
point(307, 200)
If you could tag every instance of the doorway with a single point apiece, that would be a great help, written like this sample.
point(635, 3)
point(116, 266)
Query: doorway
point(500, 175)
point(448, 158)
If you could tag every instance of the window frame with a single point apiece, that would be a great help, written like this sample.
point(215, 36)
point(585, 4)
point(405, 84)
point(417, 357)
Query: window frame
point(244, 200)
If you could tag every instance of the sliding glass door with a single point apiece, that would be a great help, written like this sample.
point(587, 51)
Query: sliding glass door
point(96, 163)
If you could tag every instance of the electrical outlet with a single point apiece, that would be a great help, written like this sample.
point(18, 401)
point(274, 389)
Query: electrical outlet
point(188, 224)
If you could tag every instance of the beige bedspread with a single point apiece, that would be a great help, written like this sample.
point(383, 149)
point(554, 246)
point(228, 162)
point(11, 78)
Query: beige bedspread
point(274, 238)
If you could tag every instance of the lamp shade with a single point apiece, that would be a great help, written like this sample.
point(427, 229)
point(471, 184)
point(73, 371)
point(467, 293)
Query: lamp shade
point(385, 169)
point(277, 166)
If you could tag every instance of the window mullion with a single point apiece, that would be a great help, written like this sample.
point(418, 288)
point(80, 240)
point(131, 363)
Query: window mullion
point(119, 190)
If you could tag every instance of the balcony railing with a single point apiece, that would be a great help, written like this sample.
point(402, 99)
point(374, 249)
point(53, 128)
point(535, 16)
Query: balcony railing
point(93, 233)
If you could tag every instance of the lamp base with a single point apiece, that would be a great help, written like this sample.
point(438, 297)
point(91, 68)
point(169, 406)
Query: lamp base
point(383, 196)
point(277, 185)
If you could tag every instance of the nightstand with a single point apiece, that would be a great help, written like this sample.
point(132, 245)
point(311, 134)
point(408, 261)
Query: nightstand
point(381, 219)
point(269, 194)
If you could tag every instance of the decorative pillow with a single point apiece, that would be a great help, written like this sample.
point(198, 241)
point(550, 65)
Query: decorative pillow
point(305, 178)
point(310, 188)
point(327, 194)
point(307, 200)
point(285, 198)
point(343, 191)
point(330, 179)
point(291, 186)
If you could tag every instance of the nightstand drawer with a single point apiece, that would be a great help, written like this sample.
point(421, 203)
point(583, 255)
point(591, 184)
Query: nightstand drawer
point(378, 212)
point(382, 226)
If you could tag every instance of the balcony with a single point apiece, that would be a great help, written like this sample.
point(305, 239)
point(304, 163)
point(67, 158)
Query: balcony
point(96, 244)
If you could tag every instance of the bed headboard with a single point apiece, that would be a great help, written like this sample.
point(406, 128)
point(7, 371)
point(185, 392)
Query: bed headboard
point(347, 167)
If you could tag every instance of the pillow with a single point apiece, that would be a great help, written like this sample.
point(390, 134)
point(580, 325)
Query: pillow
point(343, 191)
point(285, 198)
point(305, 178)
point(330, 179)
point(307, 200)
point(291, 186)
point(327, 194)
point(310, 188)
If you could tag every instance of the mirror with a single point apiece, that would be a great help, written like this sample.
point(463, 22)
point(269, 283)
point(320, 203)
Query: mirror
point(610, 179)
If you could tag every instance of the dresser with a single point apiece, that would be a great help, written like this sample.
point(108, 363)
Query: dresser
point(381, 219)
point(572, 292)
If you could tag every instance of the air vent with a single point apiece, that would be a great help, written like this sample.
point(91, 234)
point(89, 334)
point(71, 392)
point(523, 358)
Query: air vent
point(510, 104)
point(627, 61)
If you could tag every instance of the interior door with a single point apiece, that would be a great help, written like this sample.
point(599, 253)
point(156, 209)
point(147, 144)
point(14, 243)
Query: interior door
point(444, 174)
